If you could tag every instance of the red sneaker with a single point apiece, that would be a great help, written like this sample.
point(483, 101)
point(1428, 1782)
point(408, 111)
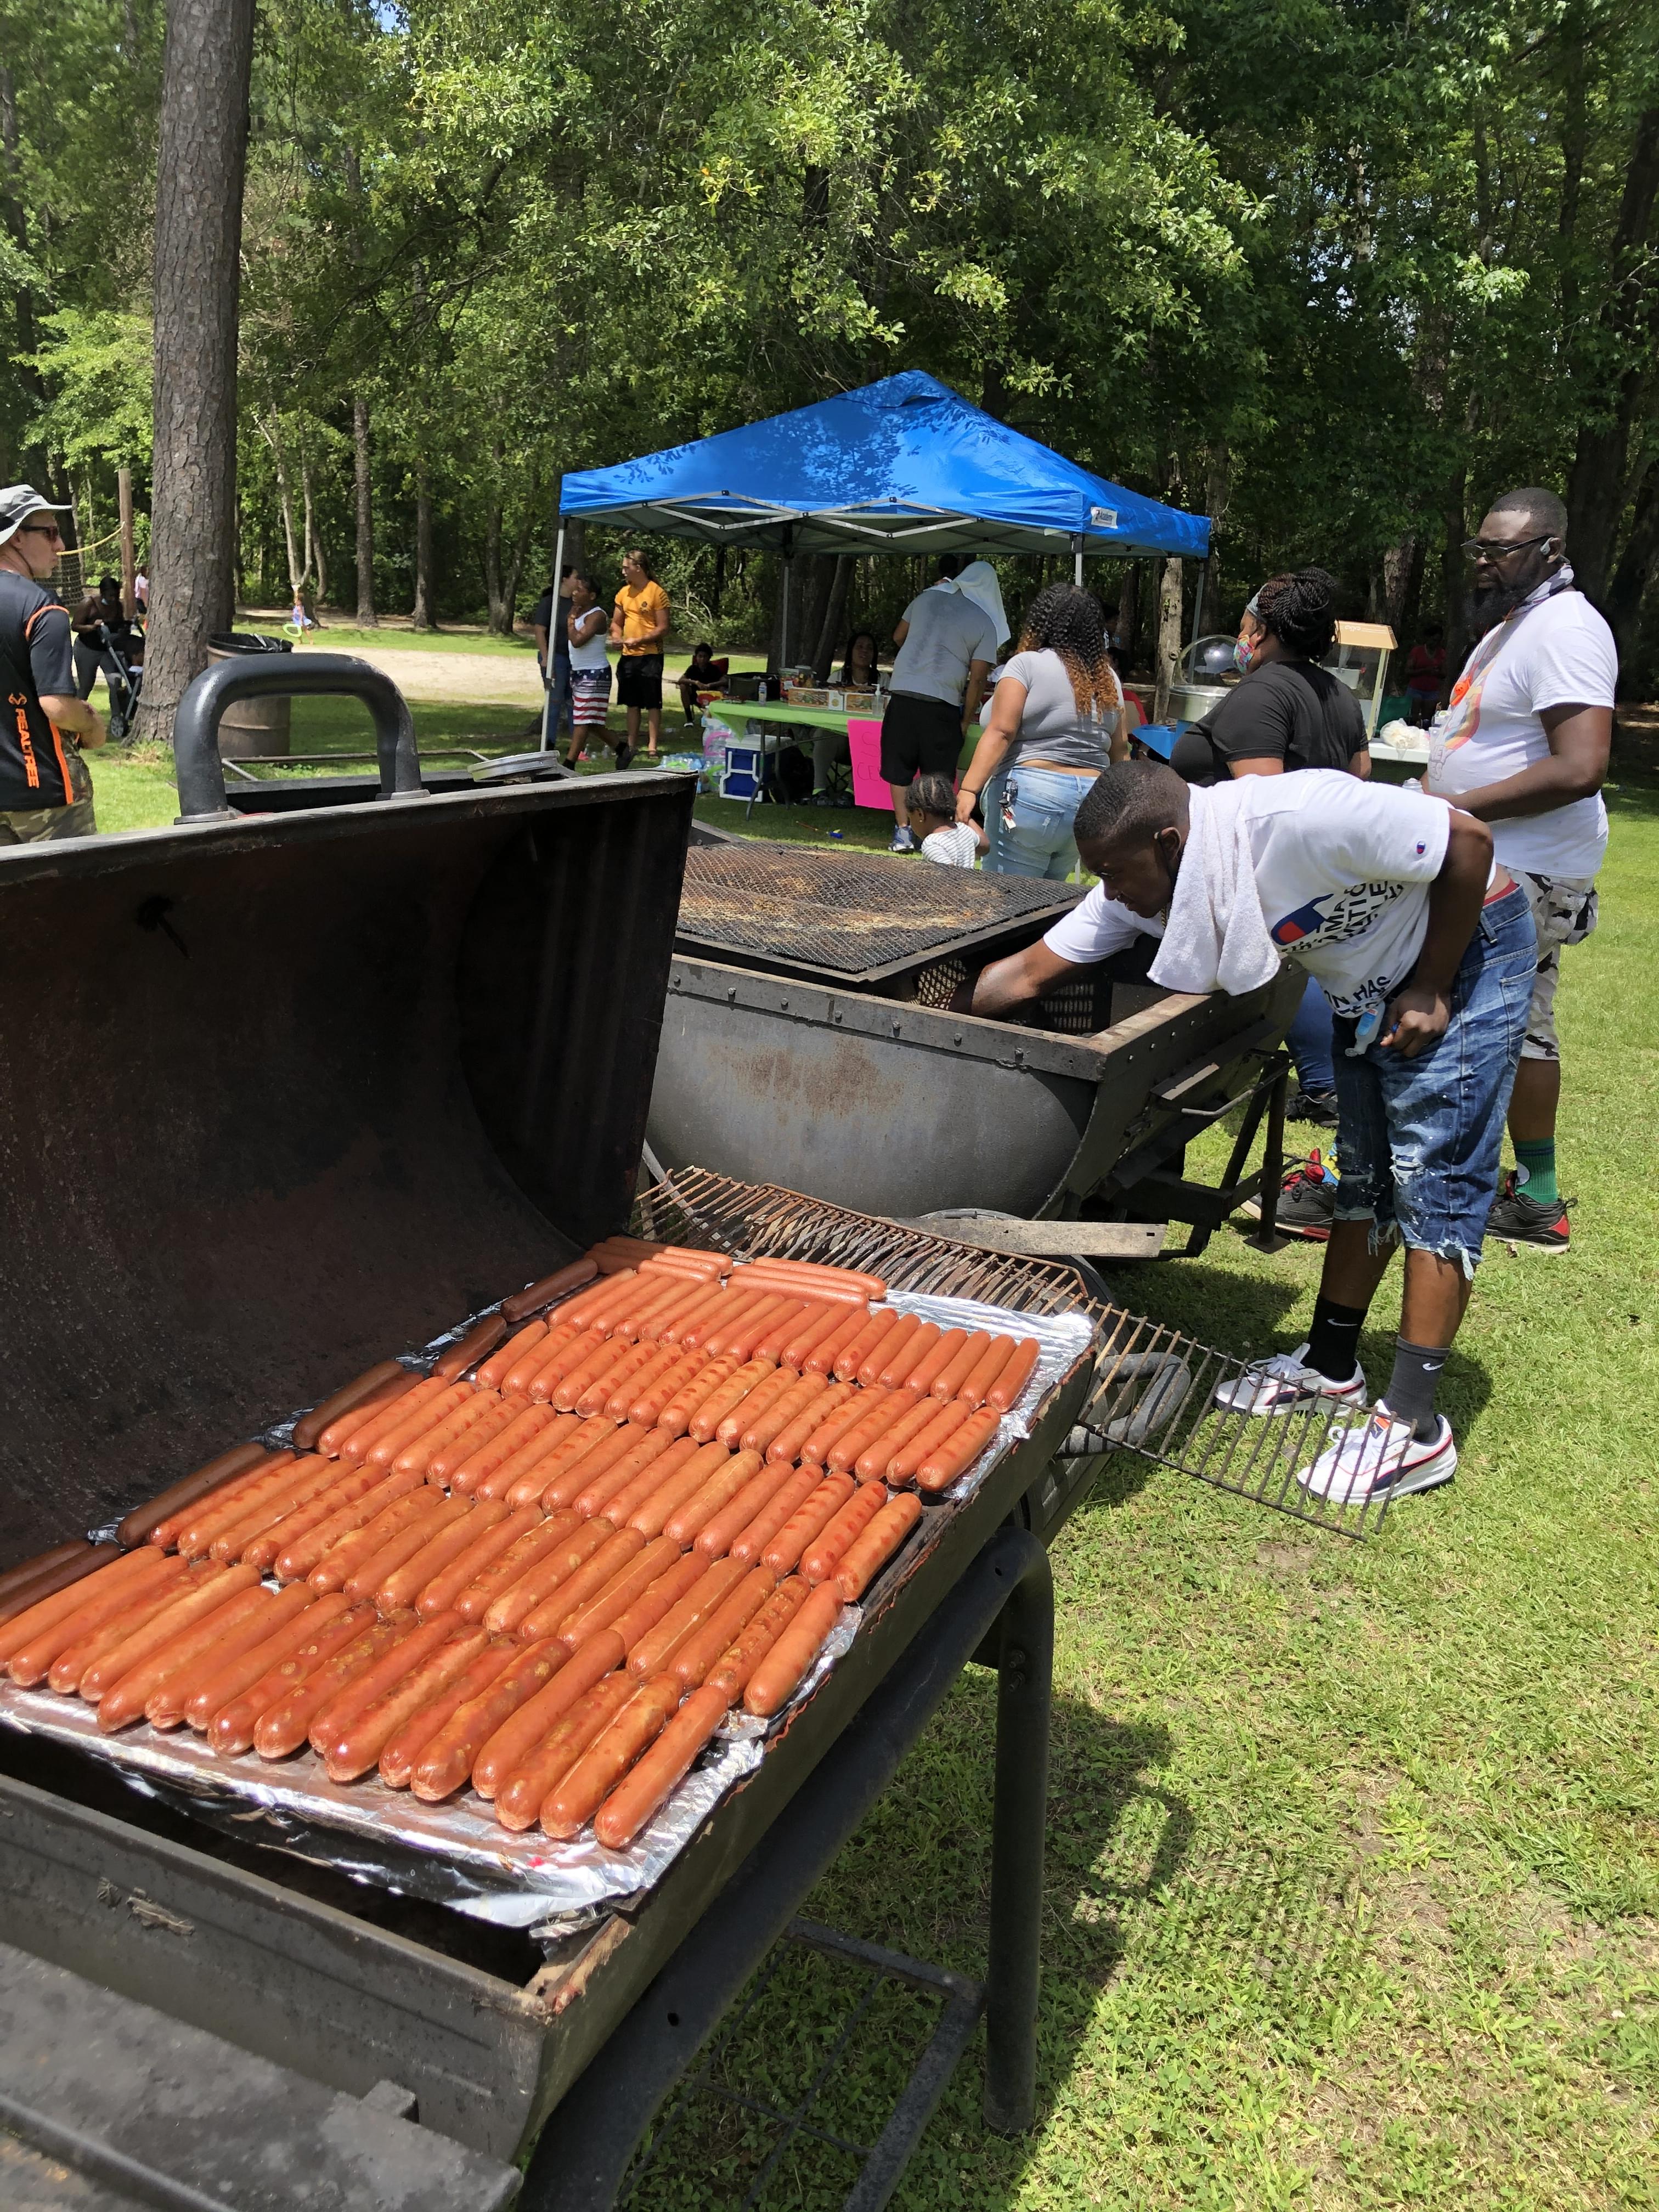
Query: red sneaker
point(1518, 1219)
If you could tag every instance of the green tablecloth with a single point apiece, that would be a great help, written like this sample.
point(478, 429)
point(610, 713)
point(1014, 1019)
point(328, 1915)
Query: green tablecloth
point(739, 714)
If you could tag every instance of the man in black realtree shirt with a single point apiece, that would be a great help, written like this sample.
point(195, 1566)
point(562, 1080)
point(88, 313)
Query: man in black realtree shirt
point(45, 788)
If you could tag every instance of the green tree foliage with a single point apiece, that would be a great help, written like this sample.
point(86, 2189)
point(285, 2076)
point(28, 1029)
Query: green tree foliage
point(1337, 272)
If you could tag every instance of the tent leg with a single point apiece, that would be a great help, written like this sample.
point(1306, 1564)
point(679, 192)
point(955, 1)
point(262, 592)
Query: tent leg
point(1077, 561)
point(549, 736)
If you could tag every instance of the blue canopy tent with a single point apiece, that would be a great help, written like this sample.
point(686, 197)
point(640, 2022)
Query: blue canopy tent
point(906, 466)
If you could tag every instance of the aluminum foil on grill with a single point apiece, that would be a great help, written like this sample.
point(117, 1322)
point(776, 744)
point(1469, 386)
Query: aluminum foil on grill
point(456, 1853)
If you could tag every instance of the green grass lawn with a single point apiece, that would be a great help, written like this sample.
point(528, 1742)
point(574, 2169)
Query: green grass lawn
point(1353, 1863)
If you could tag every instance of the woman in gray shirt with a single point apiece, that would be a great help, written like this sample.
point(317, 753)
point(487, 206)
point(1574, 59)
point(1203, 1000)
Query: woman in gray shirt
point(1056, 719)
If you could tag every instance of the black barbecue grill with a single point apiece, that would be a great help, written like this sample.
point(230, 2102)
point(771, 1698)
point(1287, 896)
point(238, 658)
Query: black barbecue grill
point(302, 1091)
point(861, 920)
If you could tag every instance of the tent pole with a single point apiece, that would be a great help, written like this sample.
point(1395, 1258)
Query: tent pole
point(1198, 598)
point(550, 736)
point(1077, 560)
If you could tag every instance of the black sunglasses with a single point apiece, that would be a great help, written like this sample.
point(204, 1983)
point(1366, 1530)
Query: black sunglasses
point(1484, 548)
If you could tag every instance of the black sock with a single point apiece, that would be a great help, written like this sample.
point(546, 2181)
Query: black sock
point(1333, 1339)
point(1416, 1377)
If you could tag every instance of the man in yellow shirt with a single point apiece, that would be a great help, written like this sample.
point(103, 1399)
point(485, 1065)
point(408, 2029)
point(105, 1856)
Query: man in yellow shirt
point(639, 625)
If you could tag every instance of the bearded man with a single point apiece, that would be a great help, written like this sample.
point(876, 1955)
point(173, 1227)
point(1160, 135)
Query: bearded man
point(1524, 747)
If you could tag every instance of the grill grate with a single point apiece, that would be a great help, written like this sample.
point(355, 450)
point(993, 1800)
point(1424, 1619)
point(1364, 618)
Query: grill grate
point(1153, 1388)
point(847, 913)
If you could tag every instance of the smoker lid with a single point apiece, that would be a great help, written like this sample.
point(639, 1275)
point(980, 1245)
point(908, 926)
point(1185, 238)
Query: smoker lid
point(850, 914)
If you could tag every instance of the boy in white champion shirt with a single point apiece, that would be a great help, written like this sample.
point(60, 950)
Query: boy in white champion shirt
point(1426, 952)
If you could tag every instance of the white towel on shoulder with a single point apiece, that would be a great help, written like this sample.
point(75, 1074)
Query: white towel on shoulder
point(1217, 937)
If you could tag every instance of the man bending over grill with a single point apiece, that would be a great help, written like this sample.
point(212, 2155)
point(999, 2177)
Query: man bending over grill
point(1425, 947)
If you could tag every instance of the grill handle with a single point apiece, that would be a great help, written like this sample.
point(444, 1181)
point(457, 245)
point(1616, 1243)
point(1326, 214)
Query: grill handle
point(200, 773)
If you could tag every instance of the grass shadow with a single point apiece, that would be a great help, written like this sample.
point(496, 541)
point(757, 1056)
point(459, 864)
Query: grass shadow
point(812, 2039)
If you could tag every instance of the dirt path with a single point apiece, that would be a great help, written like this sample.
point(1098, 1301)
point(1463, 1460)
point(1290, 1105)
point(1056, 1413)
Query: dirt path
point(484, 678)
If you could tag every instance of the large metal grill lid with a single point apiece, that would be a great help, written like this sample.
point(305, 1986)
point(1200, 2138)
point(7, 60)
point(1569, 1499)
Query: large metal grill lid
point(851, 916)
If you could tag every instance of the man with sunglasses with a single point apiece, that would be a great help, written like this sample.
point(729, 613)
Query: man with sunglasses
point(1524, 747)
point(45, 789)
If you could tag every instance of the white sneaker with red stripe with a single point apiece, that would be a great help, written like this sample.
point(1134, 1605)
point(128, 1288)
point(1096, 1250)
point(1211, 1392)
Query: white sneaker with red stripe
point(1284, 1383)
point(1386, 1458)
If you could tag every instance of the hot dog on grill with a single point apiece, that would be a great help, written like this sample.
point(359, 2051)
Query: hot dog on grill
point(659, 1770)
point(572, 1805)
point(446, 1761)
point(868, 1552)
point(478, 1343)
point(519, 1738)
point(785, 1666)
point(310, 1426)
point(520, 1796)
point(141, 1525)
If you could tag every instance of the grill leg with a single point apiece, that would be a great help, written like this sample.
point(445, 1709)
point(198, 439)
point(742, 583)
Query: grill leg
point(1018, 1825)
point(1273, 1163)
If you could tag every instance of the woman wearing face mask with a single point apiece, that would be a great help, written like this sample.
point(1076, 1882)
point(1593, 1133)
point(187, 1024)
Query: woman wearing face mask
point(1287, 714)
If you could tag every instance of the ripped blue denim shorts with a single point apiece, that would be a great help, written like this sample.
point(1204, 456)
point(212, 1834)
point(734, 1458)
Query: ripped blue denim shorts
point(1419, 1141)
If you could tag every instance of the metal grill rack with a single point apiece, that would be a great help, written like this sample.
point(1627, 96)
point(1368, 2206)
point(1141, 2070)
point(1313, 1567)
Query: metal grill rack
point(1153, 1389)
point(852, 918)
point(716, 2121)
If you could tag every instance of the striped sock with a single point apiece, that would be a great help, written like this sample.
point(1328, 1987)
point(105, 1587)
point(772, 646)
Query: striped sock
point(1535, 1172)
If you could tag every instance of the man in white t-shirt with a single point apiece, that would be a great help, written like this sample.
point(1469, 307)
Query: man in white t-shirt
point(1524, 747)
point(1391, 900)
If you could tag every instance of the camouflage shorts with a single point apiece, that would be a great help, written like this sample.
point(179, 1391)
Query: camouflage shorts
point(1564, 910)
point(35, 824)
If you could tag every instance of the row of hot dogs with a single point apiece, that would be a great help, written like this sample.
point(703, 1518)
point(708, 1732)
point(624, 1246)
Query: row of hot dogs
point(552, 1566)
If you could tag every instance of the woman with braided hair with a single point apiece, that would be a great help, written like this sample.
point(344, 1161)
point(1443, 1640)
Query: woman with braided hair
point(1056, 719)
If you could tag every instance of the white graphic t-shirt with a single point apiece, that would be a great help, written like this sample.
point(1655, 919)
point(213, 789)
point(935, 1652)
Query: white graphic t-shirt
point(1557, 653)
point(1342, 870)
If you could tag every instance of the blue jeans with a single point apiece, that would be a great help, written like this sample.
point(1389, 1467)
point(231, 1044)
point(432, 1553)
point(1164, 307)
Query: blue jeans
point(1419, 1139)
point(558, 706)
point(1043, 804)
point(1308, 1040)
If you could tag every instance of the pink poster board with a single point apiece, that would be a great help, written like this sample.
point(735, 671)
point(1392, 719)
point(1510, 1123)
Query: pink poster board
point(863, 742)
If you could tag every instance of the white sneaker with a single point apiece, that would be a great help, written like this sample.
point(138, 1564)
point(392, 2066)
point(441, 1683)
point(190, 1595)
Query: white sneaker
point(1284, 1383)
point(1383, 1459)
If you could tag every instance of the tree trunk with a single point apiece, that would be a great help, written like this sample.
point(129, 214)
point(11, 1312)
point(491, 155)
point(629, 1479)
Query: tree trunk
point(296, 568)
point(420, 615)
point(1397, 564)
point(1636, 565)
point(366, 618)
point(1169, 633)
point(835, 618)
point(515, 567)
point(1454, 578)
point(315, 564)
point(11, 212)
point(492, 547)
point(1128, 614)
point(201, 162)
point(1595, 488)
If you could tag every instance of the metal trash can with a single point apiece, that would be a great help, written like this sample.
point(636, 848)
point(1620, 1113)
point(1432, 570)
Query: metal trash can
point(250, 727)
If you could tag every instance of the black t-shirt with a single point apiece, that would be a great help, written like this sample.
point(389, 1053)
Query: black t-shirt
point(1288, 711)
point(552, 614)
point(34, 658)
